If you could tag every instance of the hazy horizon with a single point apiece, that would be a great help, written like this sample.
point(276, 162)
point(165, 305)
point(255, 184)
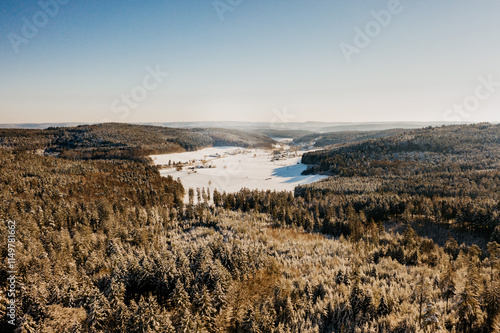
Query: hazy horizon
point(254, 61)
point(253, 124)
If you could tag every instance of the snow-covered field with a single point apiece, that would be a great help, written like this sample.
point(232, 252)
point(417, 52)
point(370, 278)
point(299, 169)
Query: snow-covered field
point(232, 168)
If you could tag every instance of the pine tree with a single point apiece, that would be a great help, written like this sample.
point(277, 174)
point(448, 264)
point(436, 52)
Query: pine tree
point(421, 295)
point(219, 296)
point(289, 311)
point(180, 298)
point(308, 293)
point(216, 198)
point(97, 313)
point(187, 323)
point(492, 303)
point(142, 320)
point(409, 237)
point(368, 306)
point(468, 306)
point(207, 311)
point(430, 317)
point(204, 195)
point(383, 307)
point(180, 302)
point(250, 323)
point(447, 284)
point(494, 257)
point(191, 196)
point(475, 254)
point(119, 311)
point(356, 299)
point(451, 247)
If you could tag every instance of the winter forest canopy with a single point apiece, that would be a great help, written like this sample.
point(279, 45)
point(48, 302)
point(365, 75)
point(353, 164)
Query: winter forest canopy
point(402, 237)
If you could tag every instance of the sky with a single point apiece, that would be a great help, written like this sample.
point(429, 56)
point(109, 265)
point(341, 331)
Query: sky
point(249, 60)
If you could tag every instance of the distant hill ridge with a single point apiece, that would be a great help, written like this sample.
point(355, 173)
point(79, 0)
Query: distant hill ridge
point(124, 141)
point(311, 126)
point(475, 146)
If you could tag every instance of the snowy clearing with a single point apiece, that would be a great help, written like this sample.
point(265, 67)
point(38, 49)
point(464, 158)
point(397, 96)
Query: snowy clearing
point(233, 168)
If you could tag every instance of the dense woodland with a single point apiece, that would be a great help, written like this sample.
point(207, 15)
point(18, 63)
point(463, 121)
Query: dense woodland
point(320, 140)
point(447, 175)
point(282, 133)
point(404, 237)
point(124, 141)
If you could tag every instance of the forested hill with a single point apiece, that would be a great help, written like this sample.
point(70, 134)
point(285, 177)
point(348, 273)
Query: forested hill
point(465, 147)
point(336, 138)
point(124, 141)
point(445, 176)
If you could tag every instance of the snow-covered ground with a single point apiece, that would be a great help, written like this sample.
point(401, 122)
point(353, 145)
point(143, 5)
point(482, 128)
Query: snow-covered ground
point(232, 168)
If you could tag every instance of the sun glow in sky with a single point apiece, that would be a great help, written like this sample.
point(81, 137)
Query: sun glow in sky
point(241, 60)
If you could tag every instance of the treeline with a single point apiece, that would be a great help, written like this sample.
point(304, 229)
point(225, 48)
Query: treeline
point(352, 214)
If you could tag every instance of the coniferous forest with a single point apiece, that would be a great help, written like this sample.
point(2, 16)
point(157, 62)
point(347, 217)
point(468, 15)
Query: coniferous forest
point(403, 236)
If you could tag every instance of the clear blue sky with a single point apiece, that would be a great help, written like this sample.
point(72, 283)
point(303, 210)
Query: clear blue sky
point(264, 57)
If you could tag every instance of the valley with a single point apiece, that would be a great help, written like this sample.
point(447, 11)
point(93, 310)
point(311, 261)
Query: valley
point(230, 169)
